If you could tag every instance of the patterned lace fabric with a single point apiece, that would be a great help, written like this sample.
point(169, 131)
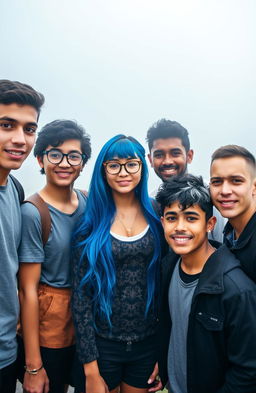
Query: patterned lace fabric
point(129, 299)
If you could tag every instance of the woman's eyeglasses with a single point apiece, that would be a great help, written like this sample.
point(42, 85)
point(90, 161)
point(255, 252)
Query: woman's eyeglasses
point(114, 167)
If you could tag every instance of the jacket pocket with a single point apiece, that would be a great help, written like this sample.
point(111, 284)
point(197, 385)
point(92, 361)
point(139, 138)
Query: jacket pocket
point(210, 321)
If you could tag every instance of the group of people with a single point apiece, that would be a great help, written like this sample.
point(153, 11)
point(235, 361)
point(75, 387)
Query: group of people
point(114, 290)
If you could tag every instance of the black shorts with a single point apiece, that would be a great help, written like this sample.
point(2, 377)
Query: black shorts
point(58, 364)
point(120, 362)
point(8, 378)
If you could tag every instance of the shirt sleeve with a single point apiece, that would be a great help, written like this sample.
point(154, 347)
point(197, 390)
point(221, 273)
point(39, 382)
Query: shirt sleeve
point(31, 246)
point(83, 319)
point(241, 344)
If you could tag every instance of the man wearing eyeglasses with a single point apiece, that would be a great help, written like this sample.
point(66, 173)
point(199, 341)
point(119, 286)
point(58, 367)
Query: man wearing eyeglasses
point(62, 149)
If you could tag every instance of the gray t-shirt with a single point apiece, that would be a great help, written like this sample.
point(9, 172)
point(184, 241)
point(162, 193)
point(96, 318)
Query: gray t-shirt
point(10, 231)
point(180, 298)
point(55, 256)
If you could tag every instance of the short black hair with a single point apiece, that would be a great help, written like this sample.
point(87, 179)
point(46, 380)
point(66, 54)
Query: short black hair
point(187, 190)
point(20, 93)
point(59, 131)
point(167, 129)
point(229, 151)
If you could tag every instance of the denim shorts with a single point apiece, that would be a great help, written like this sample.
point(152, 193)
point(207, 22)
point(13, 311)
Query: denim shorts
point(129, 362)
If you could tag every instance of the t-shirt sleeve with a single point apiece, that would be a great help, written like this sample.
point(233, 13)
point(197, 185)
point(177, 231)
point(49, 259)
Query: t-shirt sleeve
point(31, 246)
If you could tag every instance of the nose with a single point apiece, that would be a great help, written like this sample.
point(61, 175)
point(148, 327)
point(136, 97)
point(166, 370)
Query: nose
point(180, 225)
point(167, 159)
point(64, 162)
point(18, 137)
point(226, 188)
point(123, 171)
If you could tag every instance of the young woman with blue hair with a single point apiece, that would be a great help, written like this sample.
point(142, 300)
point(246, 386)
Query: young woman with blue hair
point(117, 251)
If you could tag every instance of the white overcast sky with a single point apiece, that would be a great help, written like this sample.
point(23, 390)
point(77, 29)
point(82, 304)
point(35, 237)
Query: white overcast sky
point(120, 65)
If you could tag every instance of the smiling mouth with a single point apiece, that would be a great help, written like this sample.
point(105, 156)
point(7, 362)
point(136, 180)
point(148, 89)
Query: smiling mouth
point(168, 168)
point(227, 204)
point(123, 183)
point(181, 239)
point(15, 153)
point(63, 174)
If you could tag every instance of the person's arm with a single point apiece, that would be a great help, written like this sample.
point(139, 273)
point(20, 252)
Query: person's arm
point(29, 275)
point(241, 344)
point(94, 383)
point(81, 302)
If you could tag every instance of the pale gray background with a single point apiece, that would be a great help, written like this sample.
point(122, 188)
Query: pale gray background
point(120, 65)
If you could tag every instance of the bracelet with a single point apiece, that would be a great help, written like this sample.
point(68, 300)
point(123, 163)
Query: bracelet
point(33, 371)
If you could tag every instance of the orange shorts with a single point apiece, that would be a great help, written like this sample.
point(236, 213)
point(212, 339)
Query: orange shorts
point(56, 329)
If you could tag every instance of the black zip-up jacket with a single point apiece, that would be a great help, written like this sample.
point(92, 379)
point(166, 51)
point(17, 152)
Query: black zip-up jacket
point(245, 248)
point(221, 339)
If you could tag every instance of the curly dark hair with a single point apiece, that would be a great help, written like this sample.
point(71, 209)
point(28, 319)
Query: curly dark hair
point(187, 190)
point(59, 131)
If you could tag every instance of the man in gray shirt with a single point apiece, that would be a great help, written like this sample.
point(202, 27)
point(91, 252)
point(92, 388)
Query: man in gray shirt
point(19, 110)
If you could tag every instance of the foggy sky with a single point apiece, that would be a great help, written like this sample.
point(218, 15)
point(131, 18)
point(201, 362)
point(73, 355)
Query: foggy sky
point(120, 65)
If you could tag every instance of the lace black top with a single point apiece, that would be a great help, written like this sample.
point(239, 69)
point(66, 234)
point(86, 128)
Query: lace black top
point(129, 299)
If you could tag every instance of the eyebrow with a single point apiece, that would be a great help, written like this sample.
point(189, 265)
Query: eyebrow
point(16, 121)
point(174, 149)
point(187, 213)
point(226, 177)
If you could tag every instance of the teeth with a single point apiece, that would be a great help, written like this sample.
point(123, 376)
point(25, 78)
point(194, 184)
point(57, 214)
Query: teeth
point(16, 153)
point(181, 239)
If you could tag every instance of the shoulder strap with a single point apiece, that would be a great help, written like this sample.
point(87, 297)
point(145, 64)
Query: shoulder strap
point(84, 192)
point(42, 207)
point(19, 188)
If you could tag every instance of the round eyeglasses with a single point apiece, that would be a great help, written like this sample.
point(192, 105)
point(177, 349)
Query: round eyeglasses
point(114, 167)
point(55, 156)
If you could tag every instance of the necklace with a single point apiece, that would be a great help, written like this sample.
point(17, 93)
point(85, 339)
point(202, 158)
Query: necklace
point(129, 229)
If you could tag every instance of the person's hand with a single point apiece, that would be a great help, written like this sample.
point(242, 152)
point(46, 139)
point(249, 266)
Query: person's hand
point(154, 378)
point(38, 383)
point(95, 384)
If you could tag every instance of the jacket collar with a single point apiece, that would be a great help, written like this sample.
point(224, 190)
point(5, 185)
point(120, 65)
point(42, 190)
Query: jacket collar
point(248, 232)
point(211, 277)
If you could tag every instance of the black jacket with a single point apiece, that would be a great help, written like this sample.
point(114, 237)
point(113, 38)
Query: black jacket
point(245, 248)
point(221, 340)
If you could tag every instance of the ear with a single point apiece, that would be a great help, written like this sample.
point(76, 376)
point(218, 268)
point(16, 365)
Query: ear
point(211, 224)
point(162, 221)
point(150, 160)
point(190, 155)
point(40, 161)
point(254, 187)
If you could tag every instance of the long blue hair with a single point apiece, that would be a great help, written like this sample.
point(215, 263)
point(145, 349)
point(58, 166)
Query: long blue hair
point(94, 229)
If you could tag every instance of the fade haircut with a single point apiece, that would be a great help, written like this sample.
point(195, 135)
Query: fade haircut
point(235, 151)
point(187, 190)
point(59, 131)
point(167, 129)
point(13, 92)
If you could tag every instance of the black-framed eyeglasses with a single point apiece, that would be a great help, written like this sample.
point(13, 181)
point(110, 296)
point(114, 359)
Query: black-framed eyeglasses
point(55, 156)
point(114, 167)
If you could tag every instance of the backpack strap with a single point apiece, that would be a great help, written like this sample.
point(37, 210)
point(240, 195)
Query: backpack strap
point(42, 207)
point(84, 192)
point(19, 188)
